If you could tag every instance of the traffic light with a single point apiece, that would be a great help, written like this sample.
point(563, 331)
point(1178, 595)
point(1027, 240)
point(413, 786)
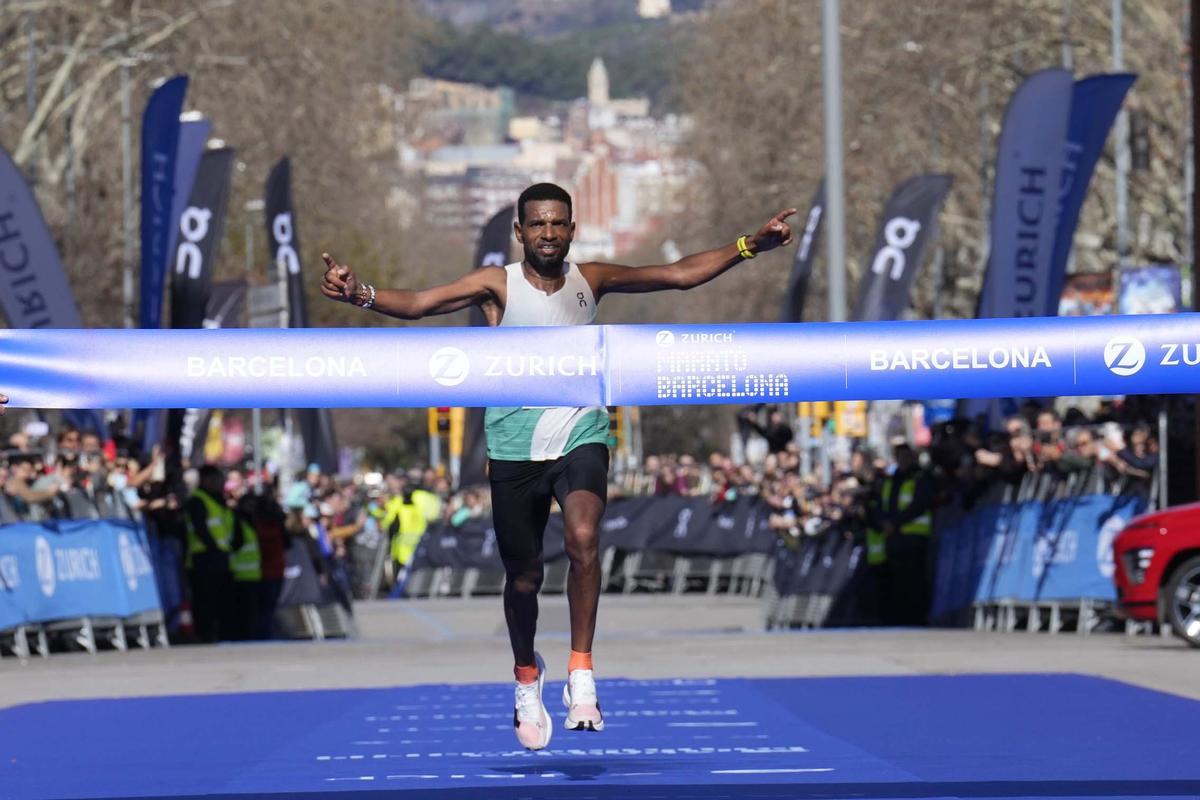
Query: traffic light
point(616, 428)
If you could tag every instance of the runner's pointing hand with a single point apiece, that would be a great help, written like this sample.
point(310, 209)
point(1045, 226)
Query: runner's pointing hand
point(339, 282)
point(776, 233)
point(3, 400)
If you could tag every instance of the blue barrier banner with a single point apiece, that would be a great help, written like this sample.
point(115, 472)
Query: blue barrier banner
point(74, 569)
point(1074, 558)
point(160, 145)
point(1031, 551)
point(600, 364)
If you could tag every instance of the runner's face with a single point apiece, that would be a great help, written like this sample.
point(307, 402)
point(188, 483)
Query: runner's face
point(546, 234)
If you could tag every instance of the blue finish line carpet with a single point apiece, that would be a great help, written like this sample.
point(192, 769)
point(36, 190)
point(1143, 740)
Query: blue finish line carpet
point(998, 736)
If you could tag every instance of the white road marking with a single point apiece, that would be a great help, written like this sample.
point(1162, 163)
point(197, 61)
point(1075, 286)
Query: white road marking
point(769, 771)
point(359, 778)
point(401, 777)
point(712, 724)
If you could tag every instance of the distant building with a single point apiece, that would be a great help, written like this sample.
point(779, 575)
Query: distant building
point(597, 81)
point(653, 9)
point(456, 113)
point(465, 155)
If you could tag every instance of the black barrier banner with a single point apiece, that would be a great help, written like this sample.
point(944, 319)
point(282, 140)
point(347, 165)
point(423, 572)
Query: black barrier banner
point(682, 525)
point(806, 256)
point(301, 586)
point(200, 228)
point(909, 222)
point(492, 250)
point(316, 424)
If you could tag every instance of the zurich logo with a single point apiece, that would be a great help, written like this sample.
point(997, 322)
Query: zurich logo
point(449, 366)
point(664, 338)
point(1124, 355)
point(1104, 545)
point(128, 561)
point(44, 557)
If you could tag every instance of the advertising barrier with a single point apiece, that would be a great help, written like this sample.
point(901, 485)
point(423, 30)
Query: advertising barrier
point(1029, 552)
point(681, 525)
point(601, 364)
point(72, 569)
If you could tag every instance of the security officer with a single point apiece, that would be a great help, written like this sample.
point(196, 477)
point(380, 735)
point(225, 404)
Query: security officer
point(404, 518)
point(211, 537)
point(898, 541)
point(245, 564)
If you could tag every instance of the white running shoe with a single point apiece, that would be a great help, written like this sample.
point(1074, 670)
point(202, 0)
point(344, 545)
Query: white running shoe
point(579, 696)
point(531, 720)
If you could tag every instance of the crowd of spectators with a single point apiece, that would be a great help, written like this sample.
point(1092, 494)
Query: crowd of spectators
point(359, 534)
point(221, 537)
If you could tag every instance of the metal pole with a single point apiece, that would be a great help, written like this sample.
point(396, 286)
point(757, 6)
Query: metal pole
point(1162, 456)
point(1190, 192)
point(249, 244)
point(256, 424)
point(835, 197)
point(1068, 56)
point(1122, 142)
point(31, 90)
point(126, 199)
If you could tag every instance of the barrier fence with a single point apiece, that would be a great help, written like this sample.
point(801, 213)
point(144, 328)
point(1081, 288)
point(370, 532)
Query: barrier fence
point(90, 578)
point(1030, 561)
point(656, 543)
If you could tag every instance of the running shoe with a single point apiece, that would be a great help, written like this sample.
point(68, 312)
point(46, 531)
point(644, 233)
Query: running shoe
point(579, 696)
point(531, 720)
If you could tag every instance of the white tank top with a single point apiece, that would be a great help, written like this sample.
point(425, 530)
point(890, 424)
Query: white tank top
point(541, 434)
point(527, 306)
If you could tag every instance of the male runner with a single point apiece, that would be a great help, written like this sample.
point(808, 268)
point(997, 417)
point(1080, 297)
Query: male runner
point(536, 454)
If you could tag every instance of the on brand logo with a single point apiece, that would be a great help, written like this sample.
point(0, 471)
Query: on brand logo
point(899, 233)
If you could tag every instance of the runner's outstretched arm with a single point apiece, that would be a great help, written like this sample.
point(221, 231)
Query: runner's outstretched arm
point(475, 288)
point(688, 271)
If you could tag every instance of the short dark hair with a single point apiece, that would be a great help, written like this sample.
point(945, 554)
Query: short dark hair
point(542, 191)
point(209, 472)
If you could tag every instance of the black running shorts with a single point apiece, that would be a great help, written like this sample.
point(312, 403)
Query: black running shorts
point(521, 493)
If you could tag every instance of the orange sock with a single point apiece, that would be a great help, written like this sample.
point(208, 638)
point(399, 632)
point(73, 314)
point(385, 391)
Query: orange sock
point(579, 661)
point(526, 674)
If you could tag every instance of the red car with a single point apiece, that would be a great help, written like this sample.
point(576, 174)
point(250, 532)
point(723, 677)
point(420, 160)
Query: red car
point(1157, 559)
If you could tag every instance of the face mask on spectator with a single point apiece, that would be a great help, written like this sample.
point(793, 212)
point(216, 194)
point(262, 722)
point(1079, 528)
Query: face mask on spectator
point(118, 481)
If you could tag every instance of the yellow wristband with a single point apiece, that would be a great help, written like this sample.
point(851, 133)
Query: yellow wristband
point(743, 250)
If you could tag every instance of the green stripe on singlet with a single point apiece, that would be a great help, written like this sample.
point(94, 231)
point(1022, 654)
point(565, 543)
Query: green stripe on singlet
point(512, 432)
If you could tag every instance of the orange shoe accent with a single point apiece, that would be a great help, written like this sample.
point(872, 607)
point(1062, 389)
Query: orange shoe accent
point(526, 675)
point(579, 661)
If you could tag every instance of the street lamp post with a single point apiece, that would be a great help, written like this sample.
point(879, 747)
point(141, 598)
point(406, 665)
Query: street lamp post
point(835, 197)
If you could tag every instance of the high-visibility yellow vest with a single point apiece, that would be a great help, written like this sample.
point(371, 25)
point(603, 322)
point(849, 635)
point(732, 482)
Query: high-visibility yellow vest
point(429, 503)
point(876, 547)
point(220, 526)
point(411, 521)
point(246, 563)
point(920, 526)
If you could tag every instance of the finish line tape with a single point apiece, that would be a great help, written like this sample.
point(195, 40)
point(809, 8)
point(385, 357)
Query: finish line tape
point(600, 364)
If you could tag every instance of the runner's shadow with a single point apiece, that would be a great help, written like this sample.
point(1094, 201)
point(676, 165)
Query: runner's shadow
point(574, 769)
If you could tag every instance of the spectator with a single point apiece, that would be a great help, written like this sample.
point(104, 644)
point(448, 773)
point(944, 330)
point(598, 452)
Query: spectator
point(30, 497)
point(902, 514)
point(777, 432)
point(268, 519)
point(1139, 462)
point(212, 536)
point(1080, 456)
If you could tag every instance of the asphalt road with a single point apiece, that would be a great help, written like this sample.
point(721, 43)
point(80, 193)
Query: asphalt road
point(641, 637)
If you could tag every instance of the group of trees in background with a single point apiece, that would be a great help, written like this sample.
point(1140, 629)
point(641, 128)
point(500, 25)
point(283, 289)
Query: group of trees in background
point(925, 88)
